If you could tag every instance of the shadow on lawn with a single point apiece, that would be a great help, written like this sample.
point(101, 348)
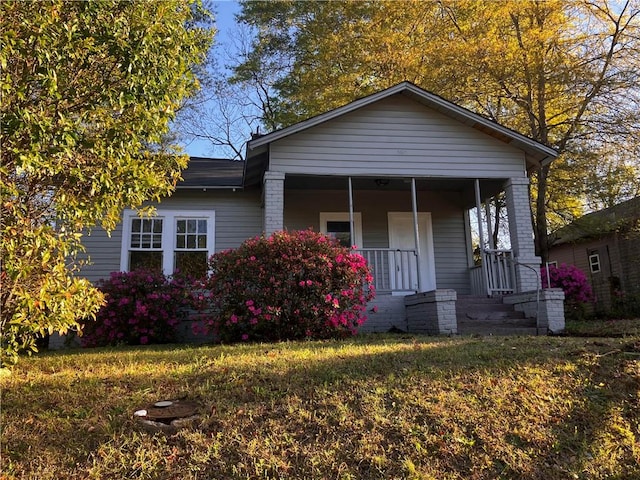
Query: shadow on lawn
point(594, 426)
point(261, 379)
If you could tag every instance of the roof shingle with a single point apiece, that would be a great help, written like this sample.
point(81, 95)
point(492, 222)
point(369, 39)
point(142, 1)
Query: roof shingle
point(204, 172)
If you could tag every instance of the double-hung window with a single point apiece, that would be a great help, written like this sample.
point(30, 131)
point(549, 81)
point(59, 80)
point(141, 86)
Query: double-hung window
point(336, 224)
point(191, 253)
point(145, 246)
point(171, 241)
point(594, 262)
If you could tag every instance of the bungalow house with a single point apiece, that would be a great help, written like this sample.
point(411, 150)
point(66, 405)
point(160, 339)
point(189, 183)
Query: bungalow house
point(395, 174)
point(606, 246)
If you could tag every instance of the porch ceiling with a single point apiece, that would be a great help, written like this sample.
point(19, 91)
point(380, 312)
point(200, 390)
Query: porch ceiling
point(463, 186)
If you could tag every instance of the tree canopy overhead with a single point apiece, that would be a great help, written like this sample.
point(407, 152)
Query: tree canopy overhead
point(564, 72)
point(88, 91)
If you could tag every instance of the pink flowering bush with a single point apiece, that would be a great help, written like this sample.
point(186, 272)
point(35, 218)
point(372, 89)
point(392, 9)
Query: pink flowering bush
point(291, 285)
point(141, 307)
point(571, 280)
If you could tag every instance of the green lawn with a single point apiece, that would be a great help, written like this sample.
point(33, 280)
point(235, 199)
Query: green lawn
point(373, 407)
point(604, 328)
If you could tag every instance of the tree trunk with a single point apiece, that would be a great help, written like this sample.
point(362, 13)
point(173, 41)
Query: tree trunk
point(498, 203)
point(540, 224)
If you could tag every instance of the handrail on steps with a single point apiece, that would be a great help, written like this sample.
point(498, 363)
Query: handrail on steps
point(538, 283)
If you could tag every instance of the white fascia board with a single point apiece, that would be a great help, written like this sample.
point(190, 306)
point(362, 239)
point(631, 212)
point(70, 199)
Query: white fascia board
point(429, 99)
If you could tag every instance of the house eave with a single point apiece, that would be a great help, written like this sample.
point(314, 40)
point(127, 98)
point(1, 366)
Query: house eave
point(210, 187)
point(537, 153)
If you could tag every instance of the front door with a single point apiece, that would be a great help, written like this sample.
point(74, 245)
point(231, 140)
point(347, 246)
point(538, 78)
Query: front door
point(401, 236)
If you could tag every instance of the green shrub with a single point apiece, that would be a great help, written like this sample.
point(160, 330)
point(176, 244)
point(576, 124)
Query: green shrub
point(574, 284)
point(141, 307)
point(625, 305)
point(291, 285)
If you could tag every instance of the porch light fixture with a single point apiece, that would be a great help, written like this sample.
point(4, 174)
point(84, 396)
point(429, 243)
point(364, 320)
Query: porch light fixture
point(382, 182)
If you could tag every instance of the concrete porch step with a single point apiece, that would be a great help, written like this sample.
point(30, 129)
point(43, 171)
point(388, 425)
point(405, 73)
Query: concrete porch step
point(489, 316)
point(510, 326)
point(484, 307)
point(476, 300)
point(497, 322)
point(499, 331)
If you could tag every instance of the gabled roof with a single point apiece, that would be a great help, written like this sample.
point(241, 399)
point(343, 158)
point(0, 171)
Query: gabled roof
point(536, 153)
point(212, 173)
point(599, 223)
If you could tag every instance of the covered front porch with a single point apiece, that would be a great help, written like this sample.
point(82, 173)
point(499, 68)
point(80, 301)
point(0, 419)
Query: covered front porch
point(417, 236)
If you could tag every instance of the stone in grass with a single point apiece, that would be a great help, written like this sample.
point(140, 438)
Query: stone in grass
point(168, 416)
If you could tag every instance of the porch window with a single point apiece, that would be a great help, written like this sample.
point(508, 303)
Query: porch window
point(171, 241)
point(340, 231)
point(336, 224)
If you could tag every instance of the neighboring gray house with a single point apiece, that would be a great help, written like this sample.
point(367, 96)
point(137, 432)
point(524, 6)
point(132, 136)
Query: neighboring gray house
point(369, 172)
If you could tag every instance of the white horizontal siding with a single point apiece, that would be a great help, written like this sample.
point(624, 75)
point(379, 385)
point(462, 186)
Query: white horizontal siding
point(450, 247)
point(238, 216)
point(396, 137)
point(102, 253)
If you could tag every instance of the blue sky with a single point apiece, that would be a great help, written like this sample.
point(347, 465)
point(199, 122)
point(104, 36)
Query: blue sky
point(224, 15)
point(224, 12)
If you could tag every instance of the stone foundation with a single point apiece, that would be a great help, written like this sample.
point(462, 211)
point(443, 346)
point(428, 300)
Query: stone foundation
point(433, 313)
point(184, 334)
point(58, 342)
point(386, 312)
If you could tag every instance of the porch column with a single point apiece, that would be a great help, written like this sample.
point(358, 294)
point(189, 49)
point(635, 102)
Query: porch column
point(483, 257)
point(352, 229)
point(527, 265)
point(476, 186)
point(416, 230)
point(273, 192)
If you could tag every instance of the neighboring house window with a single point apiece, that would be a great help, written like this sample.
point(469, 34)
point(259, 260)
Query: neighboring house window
point(594, 263)
point(171, 241)
point(553, 264)
point(336, 224)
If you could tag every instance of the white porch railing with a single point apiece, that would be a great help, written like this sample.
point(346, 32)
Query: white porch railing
point(500, 274)
point(393, 270)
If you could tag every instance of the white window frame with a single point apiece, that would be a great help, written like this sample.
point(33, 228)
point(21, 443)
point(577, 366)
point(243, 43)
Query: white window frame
point(343, 217)
point(592, 263)
point(169, 227)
